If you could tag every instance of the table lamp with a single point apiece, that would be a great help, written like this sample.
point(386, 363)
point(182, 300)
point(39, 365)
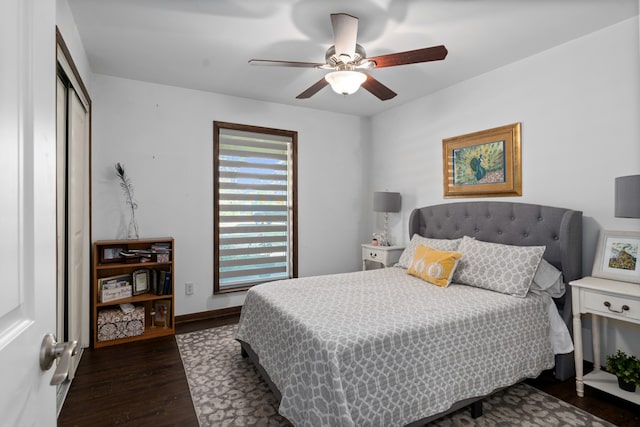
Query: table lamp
point(387, 202)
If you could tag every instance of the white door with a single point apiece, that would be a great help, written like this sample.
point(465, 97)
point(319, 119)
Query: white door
point(78, 267)
point(27, 214)
point(73, 243)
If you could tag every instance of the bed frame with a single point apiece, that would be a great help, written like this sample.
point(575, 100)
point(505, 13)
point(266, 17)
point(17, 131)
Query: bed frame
point(559, 229)
point(522, 224)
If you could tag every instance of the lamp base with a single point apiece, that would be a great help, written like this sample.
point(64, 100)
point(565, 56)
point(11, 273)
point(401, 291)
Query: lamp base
point(385, 235)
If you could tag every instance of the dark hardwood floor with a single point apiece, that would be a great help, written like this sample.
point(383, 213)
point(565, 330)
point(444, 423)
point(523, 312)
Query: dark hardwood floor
point(135, 384)
point(615, 410)
point(143, 384)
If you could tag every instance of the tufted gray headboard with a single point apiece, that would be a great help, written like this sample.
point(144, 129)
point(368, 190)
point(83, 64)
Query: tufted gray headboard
point(559, 229)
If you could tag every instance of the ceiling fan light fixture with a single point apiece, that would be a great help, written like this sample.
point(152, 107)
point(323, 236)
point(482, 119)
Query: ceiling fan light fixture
point(346, 57)
point(345, 82)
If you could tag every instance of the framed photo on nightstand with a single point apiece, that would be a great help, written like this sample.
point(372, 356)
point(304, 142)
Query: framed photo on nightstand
point(617, 256)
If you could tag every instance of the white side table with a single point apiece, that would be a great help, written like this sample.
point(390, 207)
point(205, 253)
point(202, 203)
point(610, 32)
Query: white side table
point(608, 299)
point(385, 255)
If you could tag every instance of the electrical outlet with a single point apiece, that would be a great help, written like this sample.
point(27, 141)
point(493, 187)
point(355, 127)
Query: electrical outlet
point(188, 288)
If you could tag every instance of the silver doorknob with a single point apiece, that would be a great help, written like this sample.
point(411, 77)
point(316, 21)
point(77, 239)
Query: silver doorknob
point(51, 350)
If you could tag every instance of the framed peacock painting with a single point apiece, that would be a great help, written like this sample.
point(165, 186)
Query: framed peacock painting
point(483, 164)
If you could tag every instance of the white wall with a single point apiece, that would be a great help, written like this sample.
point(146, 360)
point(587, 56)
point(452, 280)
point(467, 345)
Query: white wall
point(164, 137)
point(579, 105)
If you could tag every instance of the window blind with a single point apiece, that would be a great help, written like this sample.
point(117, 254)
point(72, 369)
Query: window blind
point(254, 208)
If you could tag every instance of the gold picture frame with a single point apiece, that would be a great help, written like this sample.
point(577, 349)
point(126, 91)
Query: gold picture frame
point(483, 164)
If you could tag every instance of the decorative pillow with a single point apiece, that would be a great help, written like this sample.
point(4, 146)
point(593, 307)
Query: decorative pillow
point(416, 240)
point(434, 266)
point(502, 268)
point(548, 280)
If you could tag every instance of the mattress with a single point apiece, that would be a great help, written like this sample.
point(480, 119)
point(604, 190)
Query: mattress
point(382, 348)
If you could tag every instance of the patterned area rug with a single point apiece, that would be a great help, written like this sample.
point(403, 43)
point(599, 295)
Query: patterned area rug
point(227, 391)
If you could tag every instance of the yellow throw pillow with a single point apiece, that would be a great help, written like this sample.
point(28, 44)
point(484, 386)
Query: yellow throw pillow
point(434, 266)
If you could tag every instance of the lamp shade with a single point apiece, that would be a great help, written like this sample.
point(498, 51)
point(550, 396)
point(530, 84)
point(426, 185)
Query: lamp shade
point(345, 82)
point(384, 201)
point(628, 196)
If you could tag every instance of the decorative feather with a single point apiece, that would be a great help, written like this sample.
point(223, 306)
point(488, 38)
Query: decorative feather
point(127, 188)
point(125, 184)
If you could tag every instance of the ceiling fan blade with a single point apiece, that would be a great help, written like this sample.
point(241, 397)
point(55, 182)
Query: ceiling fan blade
point(378, 89)
point(435, 53)
point(295, 64)
point(345, 33)
point(315, 88)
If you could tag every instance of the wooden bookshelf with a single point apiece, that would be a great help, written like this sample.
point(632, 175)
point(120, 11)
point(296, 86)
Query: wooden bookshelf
point(108, 262)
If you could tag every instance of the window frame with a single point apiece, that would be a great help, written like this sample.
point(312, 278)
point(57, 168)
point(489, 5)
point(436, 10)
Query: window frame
point(293, 207)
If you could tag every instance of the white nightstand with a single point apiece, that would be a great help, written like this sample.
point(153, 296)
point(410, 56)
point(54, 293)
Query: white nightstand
point(609, 299)
point(385, 255)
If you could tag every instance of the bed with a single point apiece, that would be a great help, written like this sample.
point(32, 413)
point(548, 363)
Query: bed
point(382, 347)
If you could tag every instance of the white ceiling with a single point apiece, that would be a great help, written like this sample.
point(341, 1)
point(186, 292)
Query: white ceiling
point(205, 44)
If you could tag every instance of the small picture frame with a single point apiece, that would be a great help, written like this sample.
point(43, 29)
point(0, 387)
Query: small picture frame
point(111, 254)
point(141, 281)
point(162, 309)
point(617, 256)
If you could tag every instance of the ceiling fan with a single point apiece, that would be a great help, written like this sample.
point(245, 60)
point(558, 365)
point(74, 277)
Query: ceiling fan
point(347, 58)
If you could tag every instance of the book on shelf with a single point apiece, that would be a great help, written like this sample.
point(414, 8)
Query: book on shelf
point(154, 280)
point(139, 252)
point(154, 253)
point(136, 253)
point(161, 247)
point(167, 283)
point(162, 276)
point(163, 283)
point(160, 279)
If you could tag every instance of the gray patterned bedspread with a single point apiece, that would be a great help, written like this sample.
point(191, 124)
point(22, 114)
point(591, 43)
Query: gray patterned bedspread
point(382, 348)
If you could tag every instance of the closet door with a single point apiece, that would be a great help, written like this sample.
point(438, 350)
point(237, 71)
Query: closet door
point(61, 205)
point(73, 208)
point(78, 263)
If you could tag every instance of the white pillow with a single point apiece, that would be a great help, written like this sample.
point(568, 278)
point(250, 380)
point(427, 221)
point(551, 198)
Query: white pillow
point(416, 240)
point(548, 280)
point(502, 268)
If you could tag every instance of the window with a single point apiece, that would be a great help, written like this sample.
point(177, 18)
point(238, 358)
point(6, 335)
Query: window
point(254, 193)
